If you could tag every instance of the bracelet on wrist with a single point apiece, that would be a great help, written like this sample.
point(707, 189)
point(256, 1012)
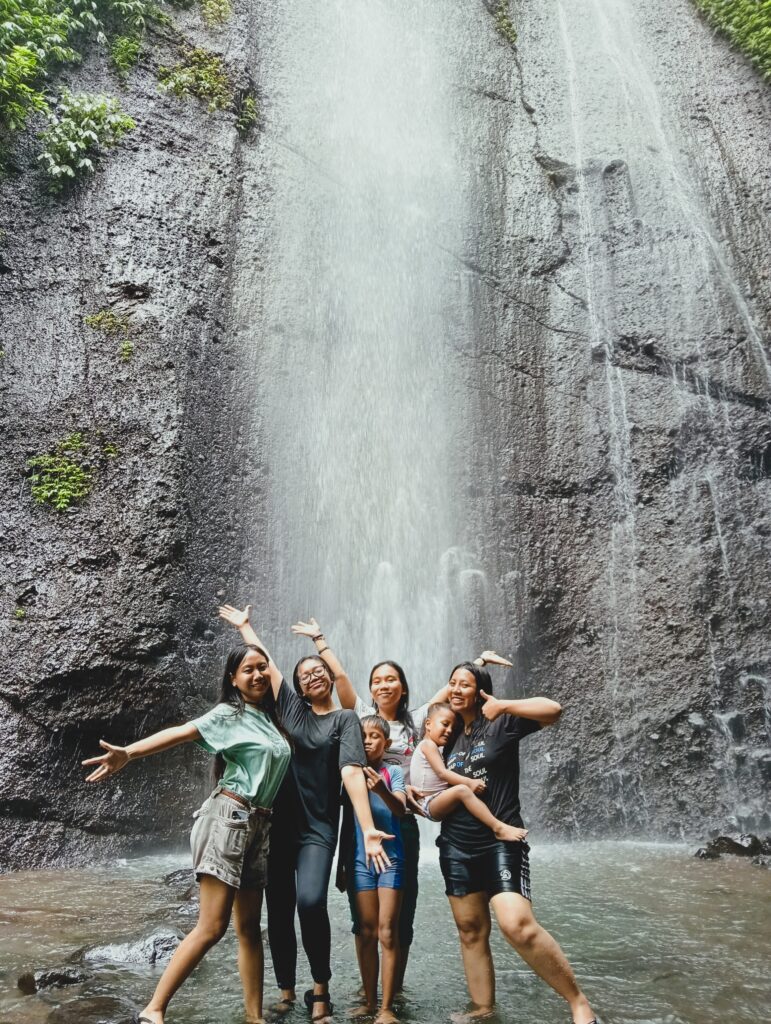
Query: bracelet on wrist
point(317, 637)
point(323, 649)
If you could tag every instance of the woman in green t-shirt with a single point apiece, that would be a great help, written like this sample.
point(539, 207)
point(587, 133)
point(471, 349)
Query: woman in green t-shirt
point(230, 835)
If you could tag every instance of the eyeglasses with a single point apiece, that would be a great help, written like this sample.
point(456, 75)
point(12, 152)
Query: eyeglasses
point(317, 673)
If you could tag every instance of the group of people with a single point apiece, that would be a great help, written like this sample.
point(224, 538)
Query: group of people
point(283, 756)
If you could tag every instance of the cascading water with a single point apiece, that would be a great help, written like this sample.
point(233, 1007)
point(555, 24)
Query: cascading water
point(359, 421)
point(632, 174)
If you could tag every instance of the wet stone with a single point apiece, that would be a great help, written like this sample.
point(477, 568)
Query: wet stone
point(183, 878)
point(152, 950)
point(93, 1010)
point(738, 845)
point(33, 981)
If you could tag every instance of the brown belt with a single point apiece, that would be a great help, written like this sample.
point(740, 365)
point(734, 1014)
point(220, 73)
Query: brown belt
point(264, 811)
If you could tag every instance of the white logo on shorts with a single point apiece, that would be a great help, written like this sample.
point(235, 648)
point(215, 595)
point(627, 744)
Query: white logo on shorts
point(505, 875)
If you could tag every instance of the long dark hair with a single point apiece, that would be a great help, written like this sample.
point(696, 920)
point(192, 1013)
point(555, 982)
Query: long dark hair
point(233, 697)
point(403, 708)
point(296, 674)
point(484, 682)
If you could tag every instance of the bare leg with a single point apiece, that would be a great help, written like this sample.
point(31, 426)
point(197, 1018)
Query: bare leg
point(251, 964)
point(367, 906)
point(390, 901)
point(472, 918)
point(538, 949)
point(213, 917)
point(448, 801)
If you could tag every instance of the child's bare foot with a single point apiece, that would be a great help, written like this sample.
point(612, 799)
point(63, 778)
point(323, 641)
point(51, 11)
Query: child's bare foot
point(386, 1017)
point(361, 1011)
point(510, 834)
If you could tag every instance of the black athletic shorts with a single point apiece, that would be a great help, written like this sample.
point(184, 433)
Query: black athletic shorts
point(504, 868)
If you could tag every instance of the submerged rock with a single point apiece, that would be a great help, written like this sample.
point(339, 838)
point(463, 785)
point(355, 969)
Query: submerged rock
point(184, 877)
point(93, 1010)
point(154, 949)
point(33, 981)
point(738, 845)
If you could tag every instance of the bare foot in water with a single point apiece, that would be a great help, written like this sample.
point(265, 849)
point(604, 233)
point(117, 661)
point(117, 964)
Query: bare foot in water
point(361, 1011)
point(386, 1017)
point(472, 1016)
point(154, 1016)
point(510, 834)
point(287, 1002)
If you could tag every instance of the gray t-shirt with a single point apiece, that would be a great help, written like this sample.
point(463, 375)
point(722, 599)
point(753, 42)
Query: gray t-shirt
point(403, 741)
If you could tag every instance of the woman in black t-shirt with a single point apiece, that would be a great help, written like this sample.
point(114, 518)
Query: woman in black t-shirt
point(481, 871)
point(327, 747)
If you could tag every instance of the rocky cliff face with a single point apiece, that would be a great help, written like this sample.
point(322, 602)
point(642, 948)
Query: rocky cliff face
point(108, 607)
point(623, 301)
point(620, 450)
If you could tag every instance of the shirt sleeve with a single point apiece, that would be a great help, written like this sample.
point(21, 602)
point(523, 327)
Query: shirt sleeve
point(351, 742)
point(419, 717)
point(361, 710)
point(517, 728)
point(397, 779)
point(291, 709)
point(215, 728)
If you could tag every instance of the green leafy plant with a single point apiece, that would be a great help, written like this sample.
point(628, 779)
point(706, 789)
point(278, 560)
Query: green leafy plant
point(33, 35)
point(19, 613)
point(80, 128)
point(60, 478)
point(110, 450)
point(747, 23)
point(503, 23)
point(216, 12)
point(108, 322)
point(124, 53)
point(247, 113)
point(201, 74)
point(127, 351)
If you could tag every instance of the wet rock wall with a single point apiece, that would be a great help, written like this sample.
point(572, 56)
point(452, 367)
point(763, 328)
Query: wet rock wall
point(107, 608)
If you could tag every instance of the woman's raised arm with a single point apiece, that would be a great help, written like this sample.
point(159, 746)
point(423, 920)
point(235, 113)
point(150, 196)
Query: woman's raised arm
point(117, 758)
point(241, 620)
point(344, 688)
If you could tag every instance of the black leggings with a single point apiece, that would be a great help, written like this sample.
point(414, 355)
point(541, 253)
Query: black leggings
point(298, 876)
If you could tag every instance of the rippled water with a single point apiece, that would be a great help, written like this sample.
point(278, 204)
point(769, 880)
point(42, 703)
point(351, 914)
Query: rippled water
point(654, 935)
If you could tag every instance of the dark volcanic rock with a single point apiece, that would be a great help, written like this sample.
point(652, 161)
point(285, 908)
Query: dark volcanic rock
point(58, 977)
point(742, 845)
point(181, 879)
point(107, 608)
point(154, 949)
point(93, 1010)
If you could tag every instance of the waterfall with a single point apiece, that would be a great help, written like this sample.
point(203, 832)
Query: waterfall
point(358, 417)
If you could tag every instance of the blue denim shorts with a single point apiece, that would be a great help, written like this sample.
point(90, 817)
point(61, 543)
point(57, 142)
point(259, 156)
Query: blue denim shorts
point(367, 878)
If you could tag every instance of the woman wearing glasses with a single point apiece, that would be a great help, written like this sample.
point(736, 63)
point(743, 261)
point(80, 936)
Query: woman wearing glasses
point(327, 747)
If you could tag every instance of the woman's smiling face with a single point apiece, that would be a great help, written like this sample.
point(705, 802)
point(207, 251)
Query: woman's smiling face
point(386, 687)
point(462, 691)
point(252, 677)
point(314, 678)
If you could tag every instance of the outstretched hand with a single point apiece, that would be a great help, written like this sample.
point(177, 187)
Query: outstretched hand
point(491, 658)
point(373, 847)
point(235, 616)
point(492, 708)
point(309, 629)
point(109, 763)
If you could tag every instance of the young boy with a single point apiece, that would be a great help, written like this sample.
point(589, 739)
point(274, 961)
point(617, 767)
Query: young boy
point(379, 896)
point(443, 791)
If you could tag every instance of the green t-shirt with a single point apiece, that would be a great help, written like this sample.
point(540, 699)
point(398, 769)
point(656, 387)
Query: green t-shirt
point(256, 754)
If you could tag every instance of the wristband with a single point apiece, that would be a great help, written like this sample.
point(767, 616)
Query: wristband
point(322, 651)
point(319, 636)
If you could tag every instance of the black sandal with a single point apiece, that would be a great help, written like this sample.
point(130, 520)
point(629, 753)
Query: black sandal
point(310, 999)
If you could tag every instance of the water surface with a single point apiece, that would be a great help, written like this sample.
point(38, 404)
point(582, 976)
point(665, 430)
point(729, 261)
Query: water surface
point(656, 937)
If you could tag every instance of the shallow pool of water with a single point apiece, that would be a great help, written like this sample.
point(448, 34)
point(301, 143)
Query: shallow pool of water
point(655, 936)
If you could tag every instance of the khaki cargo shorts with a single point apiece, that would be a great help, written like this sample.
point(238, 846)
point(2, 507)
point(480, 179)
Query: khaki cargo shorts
point(230, 842)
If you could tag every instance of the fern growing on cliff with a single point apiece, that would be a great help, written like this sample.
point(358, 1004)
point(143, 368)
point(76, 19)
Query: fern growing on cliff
point(59, 478)
point(747, 23)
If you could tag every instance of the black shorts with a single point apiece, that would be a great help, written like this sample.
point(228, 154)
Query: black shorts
point(503, 868)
